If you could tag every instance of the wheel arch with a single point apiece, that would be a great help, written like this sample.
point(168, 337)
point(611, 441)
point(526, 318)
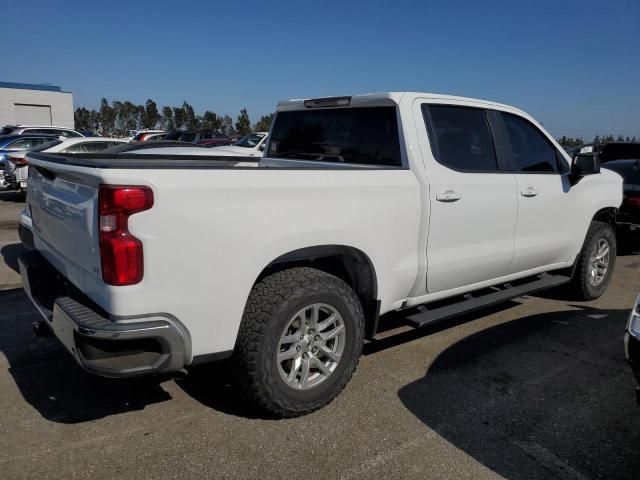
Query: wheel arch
point(348, 263)
point(606, 215)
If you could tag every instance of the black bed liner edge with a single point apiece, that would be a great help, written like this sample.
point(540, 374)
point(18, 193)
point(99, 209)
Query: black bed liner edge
point(143, 160)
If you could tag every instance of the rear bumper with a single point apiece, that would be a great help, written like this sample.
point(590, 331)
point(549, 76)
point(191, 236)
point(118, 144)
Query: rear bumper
point(100, 344)
point(26, 237)
point(25, 229)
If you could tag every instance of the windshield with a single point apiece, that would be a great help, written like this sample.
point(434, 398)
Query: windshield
point(250, 141)
point(367, 136)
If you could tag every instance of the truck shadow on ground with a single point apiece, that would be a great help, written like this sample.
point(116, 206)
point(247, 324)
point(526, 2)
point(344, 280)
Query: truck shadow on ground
point(51, 382)
point(213, 386)
point(10, 255)
point(12, 196)
point(545, 396)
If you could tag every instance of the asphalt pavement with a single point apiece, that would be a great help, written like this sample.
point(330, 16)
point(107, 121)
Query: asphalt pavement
point(536, 388)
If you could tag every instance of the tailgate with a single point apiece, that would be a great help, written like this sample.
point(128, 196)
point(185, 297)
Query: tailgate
point(63, 201)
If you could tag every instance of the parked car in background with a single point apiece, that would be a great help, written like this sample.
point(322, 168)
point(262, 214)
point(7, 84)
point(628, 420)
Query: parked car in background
point(156, 145)
point(17, 145)
point(632, 343)
point(361, 206)
point(626, 162)
point(153, 137)
point(251, 145)
point(215, 142)
point(144, 135)
point(18, 174)
point(39, 129)
point(195, 136)
point(15, 161)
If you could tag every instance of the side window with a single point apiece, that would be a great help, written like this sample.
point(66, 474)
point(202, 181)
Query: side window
point(95, 147)
point(25, 143)
point(76, 148)
point(531, 150)
point(460, 138)
point(42, 141)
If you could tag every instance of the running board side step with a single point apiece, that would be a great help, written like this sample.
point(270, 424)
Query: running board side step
point(476, 300)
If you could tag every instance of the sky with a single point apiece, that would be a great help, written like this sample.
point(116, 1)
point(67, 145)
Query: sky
point(573, 65)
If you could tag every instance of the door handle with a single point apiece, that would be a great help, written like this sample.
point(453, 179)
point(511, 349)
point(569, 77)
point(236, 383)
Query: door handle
point(529, 192)
point(448, 196)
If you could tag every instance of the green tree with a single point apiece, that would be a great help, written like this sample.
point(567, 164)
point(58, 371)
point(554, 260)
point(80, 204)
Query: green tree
point(243, 125)
point(264, 124)
point(107, 118)
point(211, 121)
point(127, 116)
point(191, 120)
point(94, 121)
point(226, 126)
point(150, 115)
point(81, 118)
point(167, 118)
point(179, 117)
point(620, 138)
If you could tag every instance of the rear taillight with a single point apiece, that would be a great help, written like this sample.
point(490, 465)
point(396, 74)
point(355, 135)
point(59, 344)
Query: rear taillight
point(120, 251)
point(19, 161)
point(631, 202)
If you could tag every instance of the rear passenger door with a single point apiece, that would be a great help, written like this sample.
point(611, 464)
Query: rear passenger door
point(546, 210)
point(473, 204)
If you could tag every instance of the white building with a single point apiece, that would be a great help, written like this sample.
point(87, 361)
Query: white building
point(28, 104)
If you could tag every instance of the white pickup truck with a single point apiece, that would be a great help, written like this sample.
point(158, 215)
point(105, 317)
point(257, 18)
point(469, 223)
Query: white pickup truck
point(361, 206)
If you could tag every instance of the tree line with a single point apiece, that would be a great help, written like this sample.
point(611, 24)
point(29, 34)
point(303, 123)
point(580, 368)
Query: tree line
point(115, 118)
point(569, 142)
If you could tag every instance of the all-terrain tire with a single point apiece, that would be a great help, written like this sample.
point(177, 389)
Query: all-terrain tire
point(582, 283)
point(272, 303)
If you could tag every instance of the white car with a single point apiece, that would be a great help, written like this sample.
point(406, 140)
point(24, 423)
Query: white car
point(251, 145)
point(362, 205)
point(81, 145)
point(70, 145)
point(16, 169)
point(42, 129)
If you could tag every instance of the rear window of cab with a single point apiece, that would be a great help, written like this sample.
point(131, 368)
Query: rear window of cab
point(363, 136)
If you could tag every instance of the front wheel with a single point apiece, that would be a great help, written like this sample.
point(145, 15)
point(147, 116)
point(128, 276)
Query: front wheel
point(299, 341)
point(595, 262)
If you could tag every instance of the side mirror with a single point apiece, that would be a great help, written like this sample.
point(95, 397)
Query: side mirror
point(584, 164)
point(261, 147)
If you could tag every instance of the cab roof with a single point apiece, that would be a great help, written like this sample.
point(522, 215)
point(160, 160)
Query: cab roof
point(385, 98)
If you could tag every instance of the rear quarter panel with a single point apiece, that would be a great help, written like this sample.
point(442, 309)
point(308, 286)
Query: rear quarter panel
point(211, 232)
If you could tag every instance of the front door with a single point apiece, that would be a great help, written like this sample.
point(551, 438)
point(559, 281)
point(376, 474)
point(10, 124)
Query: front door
point(543, 234)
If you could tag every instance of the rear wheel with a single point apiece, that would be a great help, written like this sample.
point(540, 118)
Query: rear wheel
point(299, 342)
point(595, 262)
